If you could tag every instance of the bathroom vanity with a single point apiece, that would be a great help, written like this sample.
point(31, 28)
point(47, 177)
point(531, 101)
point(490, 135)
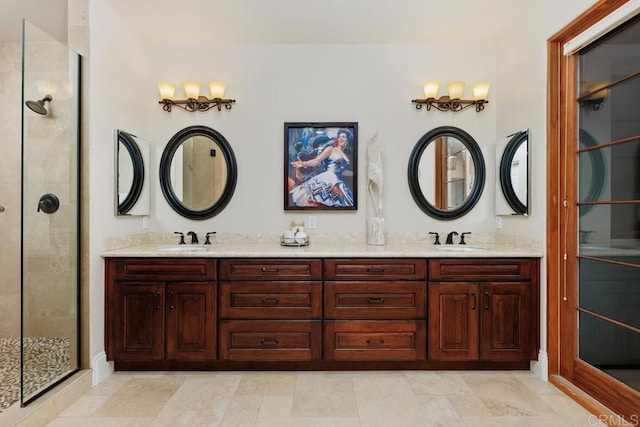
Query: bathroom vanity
point(250, 307)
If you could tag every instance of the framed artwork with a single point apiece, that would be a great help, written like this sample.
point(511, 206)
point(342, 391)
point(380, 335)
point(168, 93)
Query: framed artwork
point(321, 166)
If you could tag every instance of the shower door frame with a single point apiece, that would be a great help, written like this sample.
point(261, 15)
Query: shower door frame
point(78, 240)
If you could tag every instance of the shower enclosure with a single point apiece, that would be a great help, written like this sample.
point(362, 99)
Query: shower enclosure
point(44, 276)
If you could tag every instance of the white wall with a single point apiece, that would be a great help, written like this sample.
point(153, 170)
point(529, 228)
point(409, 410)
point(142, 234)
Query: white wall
point(273, 84)
point(521, 103)
point(119, 68)
point(369, 84)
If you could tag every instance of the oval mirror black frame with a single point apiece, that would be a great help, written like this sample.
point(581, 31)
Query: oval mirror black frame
point(506, 184)
point(586, 140)
point(128, 141)
point(414, 163)
point(165, 172)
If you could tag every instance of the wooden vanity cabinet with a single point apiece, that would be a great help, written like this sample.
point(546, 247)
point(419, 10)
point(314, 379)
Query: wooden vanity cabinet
point(270, 309)
point(375, 309)
point(321, 313)
point(160, 309)
point(483, 309)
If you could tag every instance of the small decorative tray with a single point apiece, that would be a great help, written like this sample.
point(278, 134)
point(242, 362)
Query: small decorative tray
point(295, 243)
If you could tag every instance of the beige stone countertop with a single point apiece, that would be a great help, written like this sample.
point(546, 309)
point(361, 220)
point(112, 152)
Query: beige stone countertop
point(322, 250)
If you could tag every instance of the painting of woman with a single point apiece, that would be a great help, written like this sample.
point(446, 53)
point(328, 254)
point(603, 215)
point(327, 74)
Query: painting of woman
point(332, 186)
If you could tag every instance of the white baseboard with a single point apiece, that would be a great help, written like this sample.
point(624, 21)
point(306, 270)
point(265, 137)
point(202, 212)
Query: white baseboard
point(101, 368)
point(540, 367)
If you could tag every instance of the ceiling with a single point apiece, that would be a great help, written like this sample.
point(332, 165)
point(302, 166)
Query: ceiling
point(48, 15)
point(316, 21)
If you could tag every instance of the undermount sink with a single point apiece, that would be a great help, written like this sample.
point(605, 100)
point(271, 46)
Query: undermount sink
point(181, 248)
point(460, 248)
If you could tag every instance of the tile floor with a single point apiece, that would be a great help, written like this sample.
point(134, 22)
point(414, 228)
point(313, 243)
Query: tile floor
point(331, 399)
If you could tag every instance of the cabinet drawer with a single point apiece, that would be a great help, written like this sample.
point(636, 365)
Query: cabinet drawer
point(375, 269)
point(271, 269)
point(473, 270)
point(165, 269)
point(370, 340)
point(270, 340)
point(271, 300)
point(375, 300)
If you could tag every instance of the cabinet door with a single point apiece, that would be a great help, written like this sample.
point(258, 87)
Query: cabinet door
point(453, 321)
point(138, 321)
point(506, 326)
point(191, 320)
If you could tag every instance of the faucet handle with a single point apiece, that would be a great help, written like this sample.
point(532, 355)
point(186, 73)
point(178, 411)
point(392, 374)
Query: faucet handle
point(437, 242)
point(206, 237)
point(181, 237)
point(462, 242)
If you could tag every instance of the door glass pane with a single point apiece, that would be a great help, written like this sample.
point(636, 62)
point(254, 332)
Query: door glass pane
point(50, 112)
point(608, 183)
point(611, 290)
point(611, 348)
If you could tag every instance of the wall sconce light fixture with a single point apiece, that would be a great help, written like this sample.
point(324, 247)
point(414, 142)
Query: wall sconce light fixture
point(194, 101)
point(453, 101)
point(595, 95)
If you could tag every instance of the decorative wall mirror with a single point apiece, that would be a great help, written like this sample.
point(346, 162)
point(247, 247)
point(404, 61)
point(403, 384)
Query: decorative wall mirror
point(512, 174)
point(198, 172)
point(592, 174)
point(446, 173)
point(132, 177)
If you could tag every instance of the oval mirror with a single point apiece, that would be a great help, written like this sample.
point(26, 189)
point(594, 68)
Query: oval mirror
point(513, 174)
point(132, 195)
point(198, 172)
point(446, 173)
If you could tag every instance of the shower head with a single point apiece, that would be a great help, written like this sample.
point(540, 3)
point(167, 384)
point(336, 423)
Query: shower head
point(38, 106)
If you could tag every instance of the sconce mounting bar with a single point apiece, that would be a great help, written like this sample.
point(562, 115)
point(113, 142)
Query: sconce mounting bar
point(444, 103)
point(201, 104)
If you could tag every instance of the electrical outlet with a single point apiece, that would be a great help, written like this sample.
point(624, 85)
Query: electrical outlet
point(498, 223)
point(311, 222)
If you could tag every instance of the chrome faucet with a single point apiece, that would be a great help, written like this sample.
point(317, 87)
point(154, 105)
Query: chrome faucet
point(449, 240)
point(194, 237)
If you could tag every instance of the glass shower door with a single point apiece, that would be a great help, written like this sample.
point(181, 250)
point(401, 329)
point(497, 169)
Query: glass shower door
point(50, 212)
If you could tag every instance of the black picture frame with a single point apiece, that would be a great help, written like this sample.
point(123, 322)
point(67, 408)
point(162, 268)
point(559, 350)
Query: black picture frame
point(321, 166)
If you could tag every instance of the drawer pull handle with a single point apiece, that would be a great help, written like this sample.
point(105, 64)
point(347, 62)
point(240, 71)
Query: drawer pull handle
point(375, 300)
point(270, 269)
point(270, 341)
point(488, 295)
point(267, 300)
point(379, 341)
point(473, 304)
point(156, 296)
point(375, 269)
